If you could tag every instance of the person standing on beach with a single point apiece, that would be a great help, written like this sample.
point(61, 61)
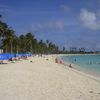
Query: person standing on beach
point(56, 60)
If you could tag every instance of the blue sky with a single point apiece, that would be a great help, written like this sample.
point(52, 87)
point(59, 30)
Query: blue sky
point(69, 23)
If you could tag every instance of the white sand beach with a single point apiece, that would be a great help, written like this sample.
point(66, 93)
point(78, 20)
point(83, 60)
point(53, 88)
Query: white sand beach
point(43, 79)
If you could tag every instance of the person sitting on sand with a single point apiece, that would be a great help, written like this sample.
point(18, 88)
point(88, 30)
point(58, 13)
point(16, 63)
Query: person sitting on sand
point(31, 61)
point(1, 61)
point(61, 62)
point(10, 59)
point(70, 66)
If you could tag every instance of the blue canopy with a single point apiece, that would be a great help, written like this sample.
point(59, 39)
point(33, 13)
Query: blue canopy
point(6, 56)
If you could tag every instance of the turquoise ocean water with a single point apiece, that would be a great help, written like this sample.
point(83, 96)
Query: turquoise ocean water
point(86, 63)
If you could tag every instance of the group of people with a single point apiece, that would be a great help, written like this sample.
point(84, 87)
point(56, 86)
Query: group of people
point(61, 62)
point(4, 58)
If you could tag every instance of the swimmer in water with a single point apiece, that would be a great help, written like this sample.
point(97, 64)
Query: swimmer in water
point(90, 62)
point(75, 60)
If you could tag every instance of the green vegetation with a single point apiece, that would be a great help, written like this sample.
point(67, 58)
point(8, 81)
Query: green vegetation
point(11, 43)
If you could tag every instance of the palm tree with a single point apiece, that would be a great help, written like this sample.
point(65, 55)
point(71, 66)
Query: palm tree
point(29, 42)
point(34, 43)
point(47, 44)
point(8, 40)
point(22, 43)
point(63, 49)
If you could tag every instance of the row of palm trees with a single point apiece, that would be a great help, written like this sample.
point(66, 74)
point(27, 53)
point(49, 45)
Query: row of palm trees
point(11, 43)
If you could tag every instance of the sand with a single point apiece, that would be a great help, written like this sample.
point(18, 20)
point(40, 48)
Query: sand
point(43, 79)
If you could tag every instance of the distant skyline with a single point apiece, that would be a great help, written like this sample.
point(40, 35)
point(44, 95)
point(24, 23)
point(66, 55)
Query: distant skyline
point(69, 23)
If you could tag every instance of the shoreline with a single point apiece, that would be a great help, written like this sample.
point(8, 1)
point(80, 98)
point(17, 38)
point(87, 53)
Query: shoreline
point(65, 65)
point(78, 69)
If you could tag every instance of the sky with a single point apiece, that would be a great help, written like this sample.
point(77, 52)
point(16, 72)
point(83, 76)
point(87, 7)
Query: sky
point(69, 23)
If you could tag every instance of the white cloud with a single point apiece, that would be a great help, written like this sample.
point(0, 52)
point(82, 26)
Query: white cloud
point(89, 19)
point(59, 24)
point(66, 8)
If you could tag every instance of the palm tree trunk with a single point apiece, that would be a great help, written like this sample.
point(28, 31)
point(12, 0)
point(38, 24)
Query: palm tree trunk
point(11, 48)
point(31, 48)
point(6, 50)
point(17, 49)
